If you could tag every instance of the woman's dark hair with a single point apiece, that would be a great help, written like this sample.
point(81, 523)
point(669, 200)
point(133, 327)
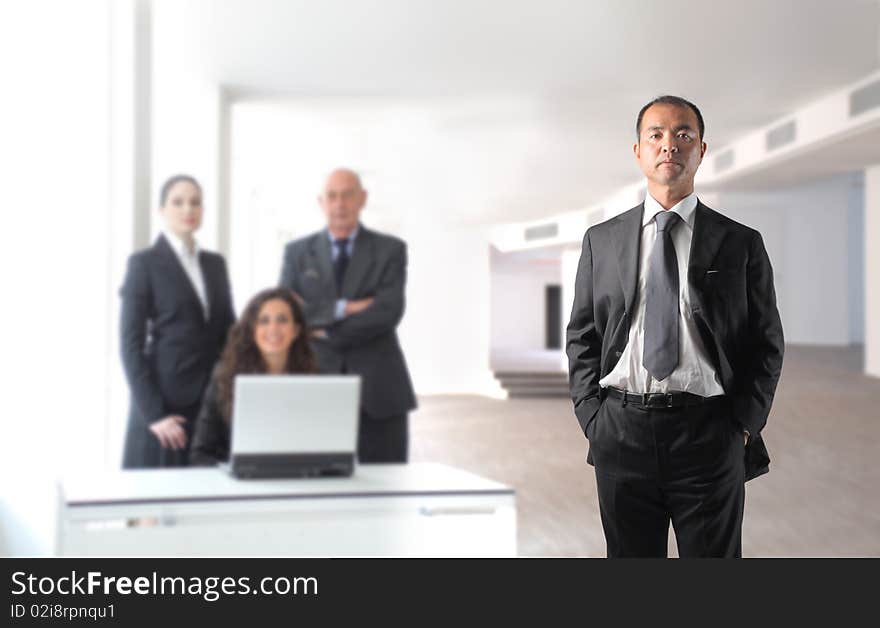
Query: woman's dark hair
point(242, 356)
point(678, 101)
point(171, 182)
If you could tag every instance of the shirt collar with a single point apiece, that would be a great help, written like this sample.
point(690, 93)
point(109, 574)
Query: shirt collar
point(178, 245)
point(685, 208)
point(350, 238)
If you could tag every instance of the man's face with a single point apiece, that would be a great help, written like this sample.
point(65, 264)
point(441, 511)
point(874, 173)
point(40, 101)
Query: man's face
point(669, 149)
point(342, 200)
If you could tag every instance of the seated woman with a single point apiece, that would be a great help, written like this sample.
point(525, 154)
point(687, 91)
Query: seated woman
point(271, 338)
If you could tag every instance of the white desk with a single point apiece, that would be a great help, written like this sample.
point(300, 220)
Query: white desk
point(382, 510)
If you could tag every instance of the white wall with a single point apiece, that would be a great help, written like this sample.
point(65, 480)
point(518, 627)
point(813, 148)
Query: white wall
point(806, 230)
point(518, 302)
point(445, 331)
point(186, 118)
point(56, 267)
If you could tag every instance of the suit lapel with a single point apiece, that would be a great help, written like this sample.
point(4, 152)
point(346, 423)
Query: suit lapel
point(707, 237)
point(169, 260)
point(627, 236)
point(708, 234)
point(359, 265)
point(321, 257)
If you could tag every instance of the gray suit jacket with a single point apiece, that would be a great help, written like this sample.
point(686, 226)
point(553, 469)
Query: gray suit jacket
point(365, 343)
point(733, 302)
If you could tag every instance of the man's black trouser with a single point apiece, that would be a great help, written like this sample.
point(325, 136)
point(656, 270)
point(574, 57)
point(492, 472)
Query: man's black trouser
point(683, 464)
point(383, 439)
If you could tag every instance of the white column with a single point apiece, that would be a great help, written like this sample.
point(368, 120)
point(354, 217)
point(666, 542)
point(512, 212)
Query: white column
point(223, 204)
point(872, 271)
point(130, 183)
point(445, 330)
point(132, 56)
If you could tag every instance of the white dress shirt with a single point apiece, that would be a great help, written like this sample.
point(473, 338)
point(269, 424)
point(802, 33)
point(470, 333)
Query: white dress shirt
point(190, 262)
point(694, 372)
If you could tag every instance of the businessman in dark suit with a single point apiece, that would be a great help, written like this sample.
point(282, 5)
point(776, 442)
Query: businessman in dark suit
point(351, 281)
point(675, 347)
point(176, 312)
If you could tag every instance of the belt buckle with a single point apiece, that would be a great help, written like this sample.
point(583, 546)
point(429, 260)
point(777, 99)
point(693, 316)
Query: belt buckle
point(669, 400)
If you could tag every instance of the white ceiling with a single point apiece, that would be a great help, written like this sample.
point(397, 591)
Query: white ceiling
point(545, 91)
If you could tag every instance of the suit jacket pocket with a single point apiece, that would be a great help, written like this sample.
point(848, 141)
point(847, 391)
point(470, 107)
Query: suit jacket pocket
point(722, 279)
point(312, 283)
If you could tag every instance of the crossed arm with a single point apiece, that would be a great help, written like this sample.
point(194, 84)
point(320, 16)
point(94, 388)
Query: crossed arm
point(382, 314)
point(364, 318)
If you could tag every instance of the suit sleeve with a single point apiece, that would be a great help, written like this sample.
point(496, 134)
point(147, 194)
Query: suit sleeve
point(137, 307)
point(767, 345)
point(384, 314)
point(319, 313)
point(211, 434)
point(583, 344)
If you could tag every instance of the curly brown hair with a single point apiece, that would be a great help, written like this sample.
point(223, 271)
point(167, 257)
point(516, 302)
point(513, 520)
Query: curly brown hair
point(242, 356)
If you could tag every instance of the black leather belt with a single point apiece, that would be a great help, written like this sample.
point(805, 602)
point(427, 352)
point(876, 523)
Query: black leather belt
point(674, 399)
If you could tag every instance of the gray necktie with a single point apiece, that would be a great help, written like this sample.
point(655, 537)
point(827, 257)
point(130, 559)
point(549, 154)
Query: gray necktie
point(661, 301)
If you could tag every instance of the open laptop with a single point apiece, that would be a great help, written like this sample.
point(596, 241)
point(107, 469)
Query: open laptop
point(286, 426)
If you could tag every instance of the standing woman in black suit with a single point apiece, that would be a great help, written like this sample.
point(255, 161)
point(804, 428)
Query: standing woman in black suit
point(176, 312)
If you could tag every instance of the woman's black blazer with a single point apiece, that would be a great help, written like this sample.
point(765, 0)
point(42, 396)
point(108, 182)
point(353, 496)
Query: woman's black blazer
point(168, 348)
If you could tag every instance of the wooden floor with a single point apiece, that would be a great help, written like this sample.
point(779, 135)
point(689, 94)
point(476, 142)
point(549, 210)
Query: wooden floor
point(821, 497)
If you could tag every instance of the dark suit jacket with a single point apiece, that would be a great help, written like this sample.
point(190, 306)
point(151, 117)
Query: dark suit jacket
point(168, 348)
point(733, 302)
point(365, 343)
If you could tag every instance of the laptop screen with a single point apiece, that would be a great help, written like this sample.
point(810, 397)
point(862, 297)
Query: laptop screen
point(284, 414)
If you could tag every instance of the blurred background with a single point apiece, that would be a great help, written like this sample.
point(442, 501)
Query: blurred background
point(490, 135)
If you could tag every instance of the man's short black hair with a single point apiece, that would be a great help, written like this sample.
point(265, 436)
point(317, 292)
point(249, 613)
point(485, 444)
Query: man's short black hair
point(678, 101)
